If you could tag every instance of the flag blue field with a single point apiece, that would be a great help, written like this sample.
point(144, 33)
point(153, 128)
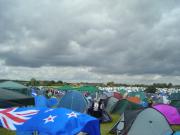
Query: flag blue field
point(57, 121)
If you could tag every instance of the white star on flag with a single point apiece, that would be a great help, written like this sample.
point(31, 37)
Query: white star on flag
point(49, 119)
point(72, 114)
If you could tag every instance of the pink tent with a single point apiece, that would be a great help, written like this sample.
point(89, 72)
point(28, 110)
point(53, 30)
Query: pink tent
point(171, 113)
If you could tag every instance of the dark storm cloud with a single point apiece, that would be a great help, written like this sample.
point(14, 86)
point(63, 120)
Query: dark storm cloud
point(111, 37)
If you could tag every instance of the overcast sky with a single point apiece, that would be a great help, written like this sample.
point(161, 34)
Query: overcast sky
point(127, 41)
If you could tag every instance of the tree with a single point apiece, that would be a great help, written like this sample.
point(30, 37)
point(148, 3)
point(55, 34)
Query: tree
point(111, 84)
point(33, 82)
point(151, 89)
point(51, 83)
point(170, 85)
point(60, 82)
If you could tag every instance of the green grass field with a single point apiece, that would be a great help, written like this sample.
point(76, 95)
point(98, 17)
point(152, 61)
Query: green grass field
point(105, 127)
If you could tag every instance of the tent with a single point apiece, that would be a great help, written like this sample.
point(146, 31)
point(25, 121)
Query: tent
point(123, 105)
point(111, 102)
point(140, 95)
point(10, 85)
point(177, 133)
point(170, 113)
point(74, 100)
point(42, 101)
point(175, 96)
point(136, 100)
point(8, 95)
point(118, 95)
point(122, 91)
point(65, 88)
point(119, 126)
point(150, 122)
point(90, 89)
point(10, 98)
point(105, 117)
point(175, 100)
point(175, 103)
point(125, 122)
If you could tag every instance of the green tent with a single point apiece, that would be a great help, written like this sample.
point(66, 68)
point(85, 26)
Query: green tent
point(175, 100)
point(175, 96)
point(123, 105)
point(122, 91)
point(175, 103)
point(66, 88)
point(10, 85)
point(8, 94)
point(90, 89)
point(9, 98)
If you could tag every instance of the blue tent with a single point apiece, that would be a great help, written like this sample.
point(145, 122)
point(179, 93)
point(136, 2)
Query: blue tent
point(74, 100)
point(177, 133)
point(52, 102)
point(42, 101)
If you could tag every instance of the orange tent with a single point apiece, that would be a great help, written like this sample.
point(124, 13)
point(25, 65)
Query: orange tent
point(134, 100)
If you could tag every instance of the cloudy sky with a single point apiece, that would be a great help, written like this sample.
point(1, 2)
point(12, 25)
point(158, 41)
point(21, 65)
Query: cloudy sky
point(127, 41)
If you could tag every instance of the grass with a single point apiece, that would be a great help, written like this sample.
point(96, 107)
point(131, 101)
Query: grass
point(105, 127)
point(4, 131)
point(176, 128)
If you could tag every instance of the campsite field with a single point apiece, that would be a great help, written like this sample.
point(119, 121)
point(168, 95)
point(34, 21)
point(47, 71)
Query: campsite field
point(104, 127)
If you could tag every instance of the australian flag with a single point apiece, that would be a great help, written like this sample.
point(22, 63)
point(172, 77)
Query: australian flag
point(47, 121)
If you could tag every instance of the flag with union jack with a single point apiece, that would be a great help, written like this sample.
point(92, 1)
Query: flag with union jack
point(12, 117)
point(56, 121)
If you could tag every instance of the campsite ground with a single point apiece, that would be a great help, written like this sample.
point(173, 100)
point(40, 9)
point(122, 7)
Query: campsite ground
point(104, 127)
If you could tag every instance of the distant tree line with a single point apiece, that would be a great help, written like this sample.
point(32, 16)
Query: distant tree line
point(157, 85)
point(34, 82)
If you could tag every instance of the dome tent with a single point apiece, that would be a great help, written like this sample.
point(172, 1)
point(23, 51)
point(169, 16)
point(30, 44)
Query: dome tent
point(8, 95)
point(10, 98)
point(157, 120)
point(74, 100)
point(111, 102)
point(123, 105)
point(150, 122)
point(14, 86)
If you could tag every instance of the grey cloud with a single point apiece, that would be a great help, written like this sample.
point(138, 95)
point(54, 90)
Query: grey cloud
point(117, 37)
